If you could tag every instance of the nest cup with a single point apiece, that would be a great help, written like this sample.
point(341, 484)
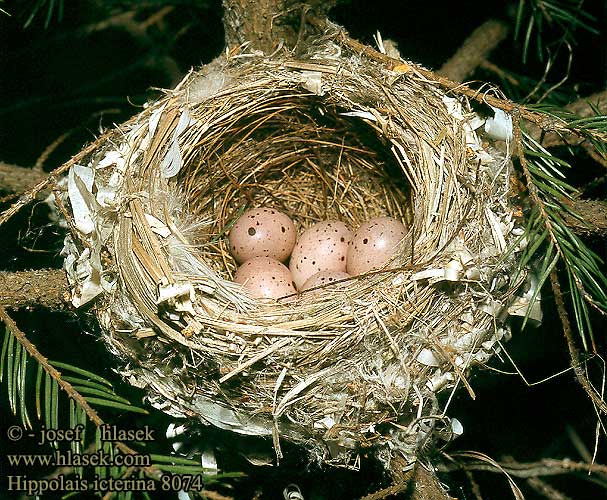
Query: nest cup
point(325, 134)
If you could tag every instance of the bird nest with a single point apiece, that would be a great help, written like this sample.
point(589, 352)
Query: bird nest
point(330, 134)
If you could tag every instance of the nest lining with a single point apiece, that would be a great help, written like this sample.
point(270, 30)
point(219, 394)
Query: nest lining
point(329, 134)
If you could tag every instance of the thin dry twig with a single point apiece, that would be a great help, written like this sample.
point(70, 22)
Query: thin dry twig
point(541, 120)
point(92, 415)
point(542, 468)
point(31, 194)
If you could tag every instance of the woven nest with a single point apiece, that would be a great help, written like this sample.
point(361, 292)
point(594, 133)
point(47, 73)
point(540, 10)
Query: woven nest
point(327, 134)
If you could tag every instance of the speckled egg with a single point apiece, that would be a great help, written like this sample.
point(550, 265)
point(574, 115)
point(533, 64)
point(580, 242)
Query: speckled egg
point(265, 278)
point(373, 244)
point(325, 278)
point(262, 232)
point(322, 247)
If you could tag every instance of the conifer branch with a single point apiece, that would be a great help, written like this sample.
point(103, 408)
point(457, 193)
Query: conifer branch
point(574, 354)
point(50, 179)
point(475, 49)
point(92, 415)
point(545, 121)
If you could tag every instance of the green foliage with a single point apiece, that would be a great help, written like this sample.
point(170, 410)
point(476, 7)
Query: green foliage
point(48, 8)
point(583, 268)
point(535, 18)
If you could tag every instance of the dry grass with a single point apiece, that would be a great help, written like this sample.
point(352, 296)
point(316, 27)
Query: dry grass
point(338, 370)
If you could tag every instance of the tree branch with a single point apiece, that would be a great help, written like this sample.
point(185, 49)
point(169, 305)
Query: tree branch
point(92, 415)
point(44, 288)
point(14, 179)
point(593, 217)
point(584, 108)
point(577, 365)
point(475, 49)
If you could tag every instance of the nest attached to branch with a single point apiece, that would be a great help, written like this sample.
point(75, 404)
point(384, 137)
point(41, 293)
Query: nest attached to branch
point(328, 133)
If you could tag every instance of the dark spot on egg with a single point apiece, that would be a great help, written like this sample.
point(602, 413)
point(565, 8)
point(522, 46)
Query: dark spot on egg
point(251, 231)
point(366, 240)
point(282, 228)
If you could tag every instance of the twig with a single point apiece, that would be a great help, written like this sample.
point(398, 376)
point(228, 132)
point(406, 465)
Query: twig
point(543, 468)
point(535, 198)
point(31, 194)
point(92, 415)
point(584, 108)
point(542, 120)
point(504, 75)
point(545, 489)
point(15, 179)
point(573, 352)
point(44, 288)
point(474, 50)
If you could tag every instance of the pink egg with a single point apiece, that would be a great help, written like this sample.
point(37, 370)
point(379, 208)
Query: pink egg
point(322, 247)
point(265, 278)
point(373, 244)
point(262, 232)
point(325, 278)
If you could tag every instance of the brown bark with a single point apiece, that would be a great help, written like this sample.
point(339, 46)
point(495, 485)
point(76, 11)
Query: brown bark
point(475, 49)
point(593, 217)
point(414, 484)
point(14, 179)
point(266, 23)
point(42, 288)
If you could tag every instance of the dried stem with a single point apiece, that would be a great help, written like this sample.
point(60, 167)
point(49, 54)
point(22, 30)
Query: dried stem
point(542, 468)
point(475, 49)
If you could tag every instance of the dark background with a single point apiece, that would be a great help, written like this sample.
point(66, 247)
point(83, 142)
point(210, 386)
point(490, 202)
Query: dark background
point(91, 69)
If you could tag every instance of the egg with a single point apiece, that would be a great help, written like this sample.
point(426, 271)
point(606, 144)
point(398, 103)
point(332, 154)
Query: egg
point(322, 247)
point(262, 232)
point(265, 278)
point(373, 244)
point(325, 278)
